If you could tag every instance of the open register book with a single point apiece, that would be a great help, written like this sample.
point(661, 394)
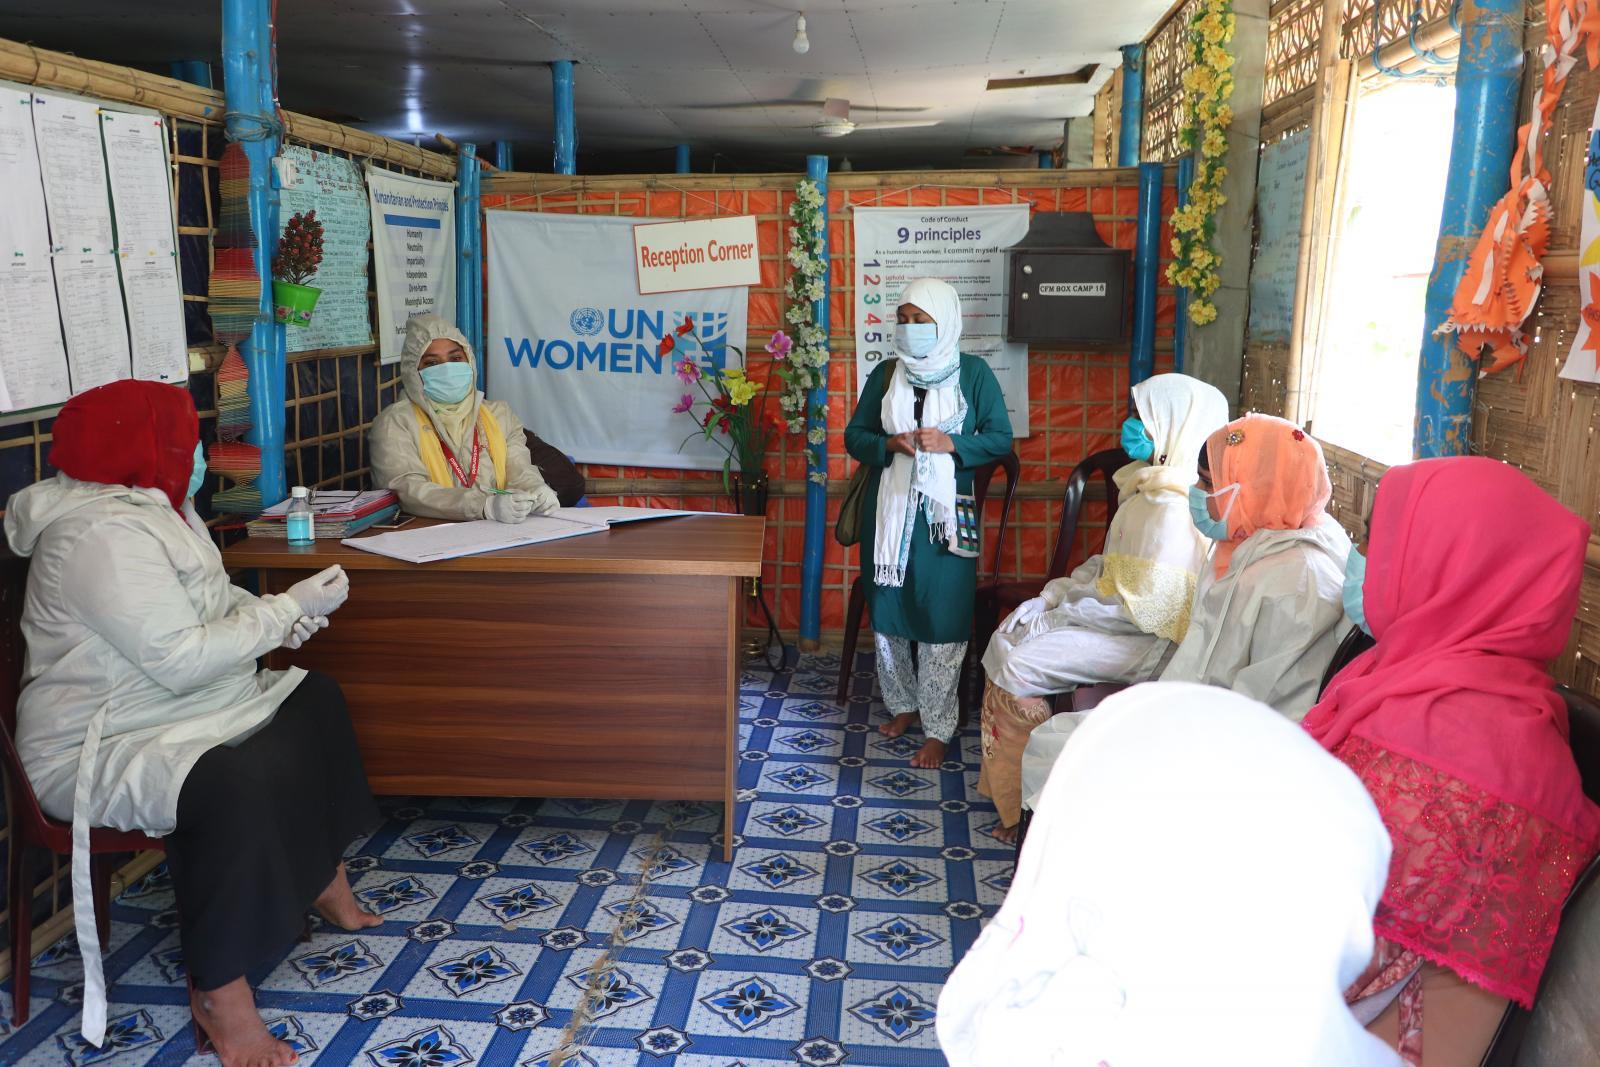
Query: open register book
point(455, 539)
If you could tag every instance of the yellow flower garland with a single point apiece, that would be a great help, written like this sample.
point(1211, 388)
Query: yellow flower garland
point(1208, 86)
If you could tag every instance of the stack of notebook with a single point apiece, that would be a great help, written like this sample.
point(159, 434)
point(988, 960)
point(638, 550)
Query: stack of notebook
point(335, 513)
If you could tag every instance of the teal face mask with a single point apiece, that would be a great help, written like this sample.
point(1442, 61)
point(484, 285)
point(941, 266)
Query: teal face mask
point(448, 383)
point(1355, 576)
point(1216, 529)
point(197, 477)
point(1136, 440)
point(915, 339)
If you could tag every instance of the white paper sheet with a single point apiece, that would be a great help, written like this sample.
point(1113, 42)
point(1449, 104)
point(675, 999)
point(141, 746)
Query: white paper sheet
point(24, 233)
point(452, 540)
point(68, 134)
point(155, 319)
point(33, 358)
point(91, 318)
point(141, 185)
point(1583, 361)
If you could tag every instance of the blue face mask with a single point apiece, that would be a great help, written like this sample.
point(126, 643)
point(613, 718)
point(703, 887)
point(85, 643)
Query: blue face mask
point(1216, 529)
point(915, 339)
point(448, 383)
point(1355, 576)
point(1136, 440)
point(197, 477)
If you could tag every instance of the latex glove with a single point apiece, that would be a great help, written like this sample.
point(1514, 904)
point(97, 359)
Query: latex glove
point(508, 507)
point(302, 630)
point(322, 593)
point(1026, 612)
point(544, 500)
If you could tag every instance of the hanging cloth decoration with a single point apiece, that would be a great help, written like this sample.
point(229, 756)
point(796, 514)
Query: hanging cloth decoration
point(1505, 272)
point(234, 301)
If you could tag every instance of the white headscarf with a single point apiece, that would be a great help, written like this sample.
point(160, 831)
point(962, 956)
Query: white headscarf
point(929, 480)
point(1153, 552)
point(1197, 888)
point(452, 422)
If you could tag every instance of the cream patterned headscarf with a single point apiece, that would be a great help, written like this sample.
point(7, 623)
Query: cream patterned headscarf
point(452, 422)
point(1153, 552)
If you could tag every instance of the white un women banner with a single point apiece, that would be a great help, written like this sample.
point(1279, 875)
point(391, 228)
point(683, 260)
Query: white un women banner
point(575, 350)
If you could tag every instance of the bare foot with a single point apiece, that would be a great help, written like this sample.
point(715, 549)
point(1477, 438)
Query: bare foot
point(229, 1018)
point(929, 756)
point(898, 725)
point(338, 905)
point(1007, 835)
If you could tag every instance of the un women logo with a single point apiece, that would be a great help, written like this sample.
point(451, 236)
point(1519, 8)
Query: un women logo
point(587, 321)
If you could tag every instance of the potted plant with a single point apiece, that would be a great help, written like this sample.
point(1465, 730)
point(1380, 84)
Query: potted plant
point(298, 257)
point(731, 410)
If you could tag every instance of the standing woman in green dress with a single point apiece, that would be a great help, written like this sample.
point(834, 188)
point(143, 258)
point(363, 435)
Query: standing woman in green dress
point(924, 421)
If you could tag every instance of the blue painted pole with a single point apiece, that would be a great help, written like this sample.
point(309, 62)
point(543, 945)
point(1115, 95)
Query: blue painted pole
point(817, 453)
point(1180, 331)
point(1147, 237)
point(1045, 160)
point(193, 71)
point(469, 249)
point(251, 119)
point(680, 159)
point(1132, 129)
point(502, 155)
point(1488, 79)
point(566, 121)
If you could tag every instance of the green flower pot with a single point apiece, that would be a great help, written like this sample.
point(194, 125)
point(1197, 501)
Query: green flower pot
point(293, 304)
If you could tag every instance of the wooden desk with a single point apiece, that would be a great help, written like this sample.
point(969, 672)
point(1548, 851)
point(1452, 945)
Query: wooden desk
point(597, 666)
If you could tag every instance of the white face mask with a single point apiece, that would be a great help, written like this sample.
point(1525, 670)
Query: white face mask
point(915, 340)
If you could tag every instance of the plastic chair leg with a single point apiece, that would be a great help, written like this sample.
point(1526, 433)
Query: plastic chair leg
point(852, 634)
point(19, 881)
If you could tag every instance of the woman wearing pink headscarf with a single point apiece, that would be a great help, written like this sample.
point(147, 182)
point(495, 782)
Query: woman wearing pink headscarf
point(1454, 726)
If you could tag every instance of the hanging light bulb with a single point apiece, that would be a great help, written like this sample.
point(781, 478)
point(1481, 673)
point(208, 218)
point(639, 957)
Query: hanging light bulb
point(802, 43)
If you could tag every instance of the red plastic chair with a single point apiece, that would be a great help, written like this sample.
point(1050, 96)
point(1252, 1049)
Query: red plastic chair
point(31, 829)
point(984, 601)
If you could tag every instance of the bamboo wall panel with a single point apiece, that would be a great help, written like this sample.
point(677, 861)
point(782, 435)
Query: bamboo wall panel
point(1294, 30)
point(1371, 25)
point(1166, 60)
point(1077, 399)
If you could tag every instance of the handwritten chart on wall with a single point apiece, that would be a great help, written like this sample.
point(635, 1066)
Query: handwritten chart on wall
point(83, 249)
point(1280, 200)
point(33, 358)
point(332, 187)
point(147, 249)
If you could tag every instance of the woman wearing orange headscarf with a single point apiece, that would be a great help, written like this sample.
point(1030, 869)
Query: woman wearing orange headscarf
point(1268, 614)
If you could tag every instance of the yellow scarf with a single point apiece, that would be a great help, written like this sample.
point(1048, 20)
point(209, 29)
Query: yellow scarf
point(433, 453)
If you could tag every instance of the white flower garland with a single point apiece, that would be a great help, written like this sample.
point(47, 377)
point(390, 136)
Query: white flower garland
point(808, 361)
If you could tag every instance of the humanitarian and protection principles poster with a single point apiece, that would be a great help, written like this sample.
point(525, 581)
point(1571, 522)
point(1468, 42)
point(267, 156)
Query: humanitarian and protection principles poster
point(413, 252)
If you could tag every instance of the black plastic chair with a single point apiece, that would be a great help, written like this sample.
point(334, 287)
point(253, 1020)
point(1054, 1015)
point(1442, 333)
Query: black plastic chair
point(1355, 642)
point(1566, 994)
point(982, 478)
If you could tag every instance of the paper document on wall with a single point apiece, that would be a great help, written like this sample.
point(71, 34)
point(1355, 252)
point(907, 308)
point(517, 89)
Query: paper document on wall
point(453, 540)
point(91, 317)
point(147, 250)
point(68, 134)
point(1583, 364)
point(332, 186)
point(33, 358)
point(24, 233)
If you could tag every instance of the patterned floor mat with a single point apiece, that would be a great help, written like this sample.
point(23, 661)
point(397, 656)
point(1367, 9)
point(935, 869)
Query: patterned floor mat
point(516, 931)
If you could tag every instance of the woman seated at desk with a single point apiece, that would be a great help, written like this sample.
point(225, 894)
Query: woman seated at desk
point(142, 708)
point(450, 453)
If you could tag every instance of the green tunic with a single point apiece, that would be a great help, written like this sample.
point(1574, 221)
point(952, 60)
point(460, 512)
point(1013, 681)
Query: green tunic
point(935, 604)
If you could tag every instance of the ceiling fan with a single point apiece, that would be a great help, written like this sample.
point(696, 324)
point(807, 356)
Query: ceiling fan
point(834, 120)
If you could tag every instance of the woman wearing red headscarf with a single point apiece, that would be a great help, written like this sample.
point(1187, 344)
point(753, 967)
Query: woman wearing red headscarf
point(142, 708)
point(1455, 727)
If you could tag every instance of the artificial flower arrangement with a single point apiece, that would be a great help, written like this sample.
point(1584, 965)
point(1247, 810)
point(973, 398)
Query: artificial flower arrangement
point(1208, 85)
point(806, 366)
point(296, 261)
point(736, 415)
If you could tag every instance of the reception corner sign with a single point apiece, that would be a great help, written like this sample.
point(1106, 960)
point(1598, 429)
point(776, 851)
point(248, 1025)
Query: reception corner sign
point(674, 257)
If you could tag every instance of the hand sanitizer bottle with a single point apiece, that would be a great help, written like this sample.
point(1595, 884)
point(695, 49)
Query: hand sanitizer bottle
point(302, 527)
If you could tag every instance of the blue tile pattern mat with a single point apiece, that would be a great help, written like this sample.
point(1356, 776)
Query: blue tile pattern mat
point(522, 933)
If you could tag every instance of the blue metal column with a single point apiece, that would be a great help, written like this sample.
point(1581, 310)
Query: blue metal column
point(1132, 130)
point(502, 155)
point(1146, 255)
point(469, 249)
point(817, 454)
point(680, 159)
point(1488, 79)
point(193, 71)
point(251, 119)
point(566, 122)
point(1180, 331)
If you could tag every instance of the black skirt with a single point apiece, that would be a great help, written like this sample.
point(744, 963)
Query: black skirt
point(261, 830)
